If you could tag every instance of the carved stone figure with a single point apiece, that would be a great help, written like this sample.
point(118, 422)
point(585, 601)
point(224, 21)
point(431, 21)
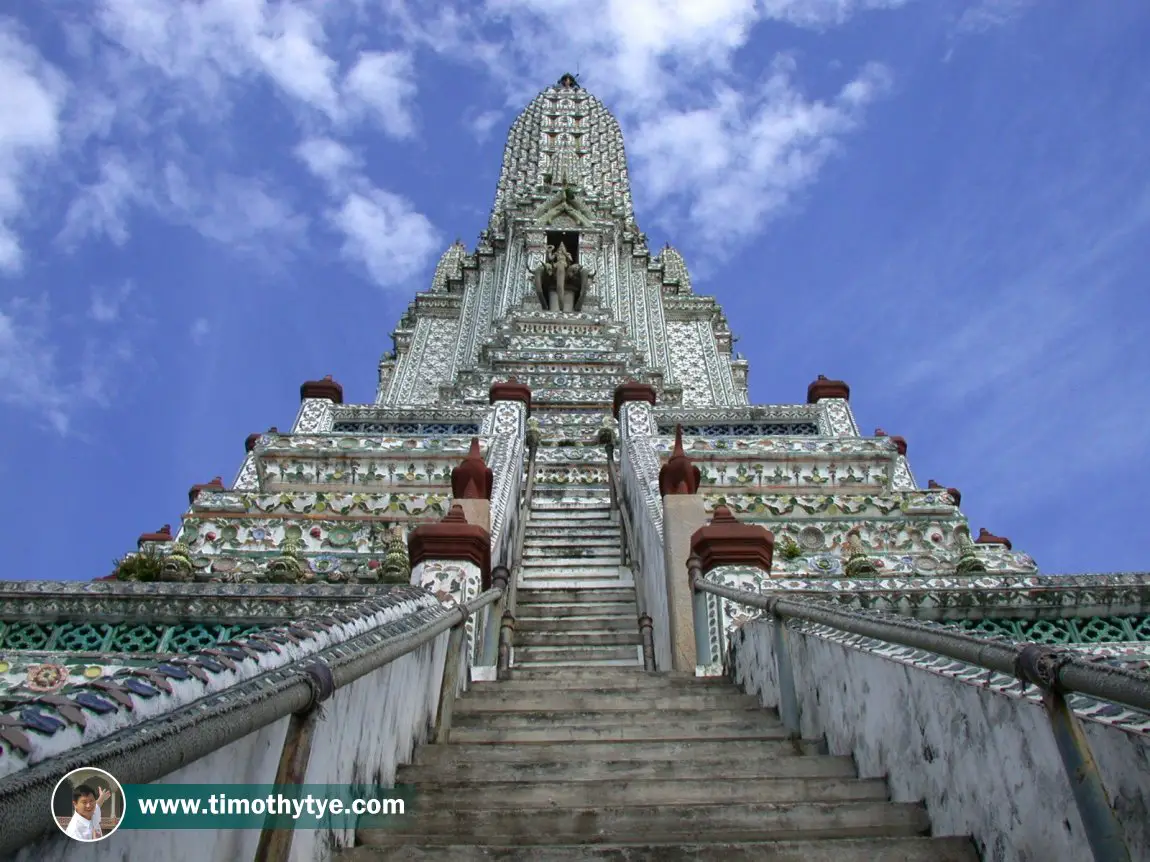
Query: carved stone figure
point(560, 283)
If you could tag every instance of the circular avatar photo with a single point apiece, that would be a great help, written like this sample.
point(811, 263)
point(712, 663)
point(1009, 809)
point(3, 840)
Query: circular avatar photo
point(88, 804)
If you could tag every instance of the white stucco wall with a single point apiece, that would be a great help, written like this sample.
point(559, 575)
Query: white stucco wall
point(368, 729)
point(985, 763)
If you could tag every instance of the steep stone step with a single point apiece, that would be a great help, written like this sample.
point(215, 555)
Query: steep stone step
point(744, 716)
point(536, 611)
point(616, 732)
point(649, 792)
point(576, 596)
point(496, 701)
point(576, 639)
point(603, 554)
point(528, 654)
point(835, 850)
point(553, 523)
point(601, 825)
point(690, 767)
point(564, 539)
point(572, 567)
point(755, 750)
point(627, 622)
point(571, 535)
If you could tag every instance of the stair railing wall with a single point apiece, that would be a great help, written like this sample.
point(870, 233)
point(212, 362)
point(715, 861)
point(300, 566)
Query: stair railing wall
point(639, 469)
point(504, 657)
point(507, 425)
point(187, 744)
point(630, 553)
point(797, 653)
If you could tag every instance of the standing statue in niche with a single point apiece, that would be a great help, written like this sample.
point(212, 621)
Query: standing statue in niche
point(560, 283)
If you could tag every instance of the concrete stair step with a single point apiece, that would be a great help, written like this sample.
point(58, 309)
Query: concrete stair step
point(528, 654)
point(567, 583)
point(625, 622)
point(603, 554)
point(644, 684)
point(602, 825)
point(555, 613)
point(615, 732)
point(690, 768)
point(745, 716)
point(604, 532)
point(574, 567)
point(767, 749)
point(587, 596)
point(576, 523)
point(495, 701)
point(830, 850)
point(558, 546)
point(577, 639)
point(623, 792)
point(561, 507)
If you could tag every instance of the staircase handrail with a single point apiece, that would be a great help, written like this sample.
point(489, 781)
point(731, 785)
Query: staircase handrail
point(1070, 673)
point(506, 608)
point(630, 552)
point(1055, 672)
point(207, 724)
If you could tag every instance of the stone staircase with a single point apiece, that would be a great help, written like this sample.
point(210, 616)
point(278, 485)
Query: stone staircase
point(576, 600)
point(614, 763)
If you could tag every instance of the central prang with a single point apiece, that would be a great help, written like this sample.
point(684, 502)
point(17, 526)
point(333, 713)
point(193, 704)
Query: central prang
point(560, 280)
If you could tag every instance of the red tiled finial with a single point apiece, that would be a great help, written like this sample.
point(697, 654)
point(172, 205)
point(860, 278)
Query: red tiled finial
point(452, 539)
point(679, 475)
point(217, 484)
point(955, 494)
point(632, 390)
point(987, 538)
point(472, 479)
point(164, 534)
point(726, 541)
point(511, 390)
point(326, 388)
point(824, 388)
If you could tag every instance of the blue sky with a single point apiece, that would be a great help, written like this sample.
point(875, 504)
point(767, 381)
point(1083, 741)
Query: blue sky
point(947, 204)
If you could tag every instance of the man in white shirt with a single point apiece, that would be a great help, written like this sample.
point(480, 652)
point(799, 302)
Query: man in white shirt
point(85, 823)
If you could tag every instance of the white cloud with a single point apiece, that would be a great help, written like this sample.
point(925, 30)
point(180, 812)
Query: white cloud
point(328, 159)
point(706, 151)
point(730, 165)
point(383, 83)
point(31, 376)
point(31, 100)
point(100, 208)
point(384, 233)
point(987, 14)
point(106, 303)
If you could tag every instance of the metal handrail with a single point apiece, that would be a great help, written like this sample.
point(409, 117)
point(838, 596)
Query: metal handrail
point(206, 725)
point(1054, 672)
point(508, 606)
point(1071, 674)
point(629, 541)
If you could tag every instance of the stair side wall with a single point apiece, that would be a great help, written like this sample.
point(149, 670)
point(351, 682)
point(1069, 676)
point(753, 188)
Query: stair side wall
point(984, 761)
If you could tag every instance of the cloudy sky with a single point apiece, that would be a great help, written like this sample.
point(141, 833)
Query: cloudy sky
point(944, 202)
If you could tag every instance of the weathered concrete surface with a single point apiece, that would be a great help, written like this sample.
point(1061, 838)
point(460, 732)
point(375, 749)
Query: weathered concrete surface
point(706, 783)
point(683, 514)
point(842, 850)
point(369, 728)
point(984, 763)
point(477, 512)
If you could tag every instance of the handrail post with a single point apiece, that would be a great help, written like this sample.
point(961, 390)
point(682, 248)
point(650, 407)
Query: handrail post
point(490, 651)
point(448, 688)
point(699, 604)
point(647, 638)
point(506, 639)
point(275, 844)
point(1039, 665)
point(789, 711)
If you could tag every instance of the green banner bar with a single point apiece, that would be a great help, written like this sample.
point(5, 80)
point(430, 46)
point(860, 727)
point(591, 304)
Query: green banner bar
point(265, 806)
